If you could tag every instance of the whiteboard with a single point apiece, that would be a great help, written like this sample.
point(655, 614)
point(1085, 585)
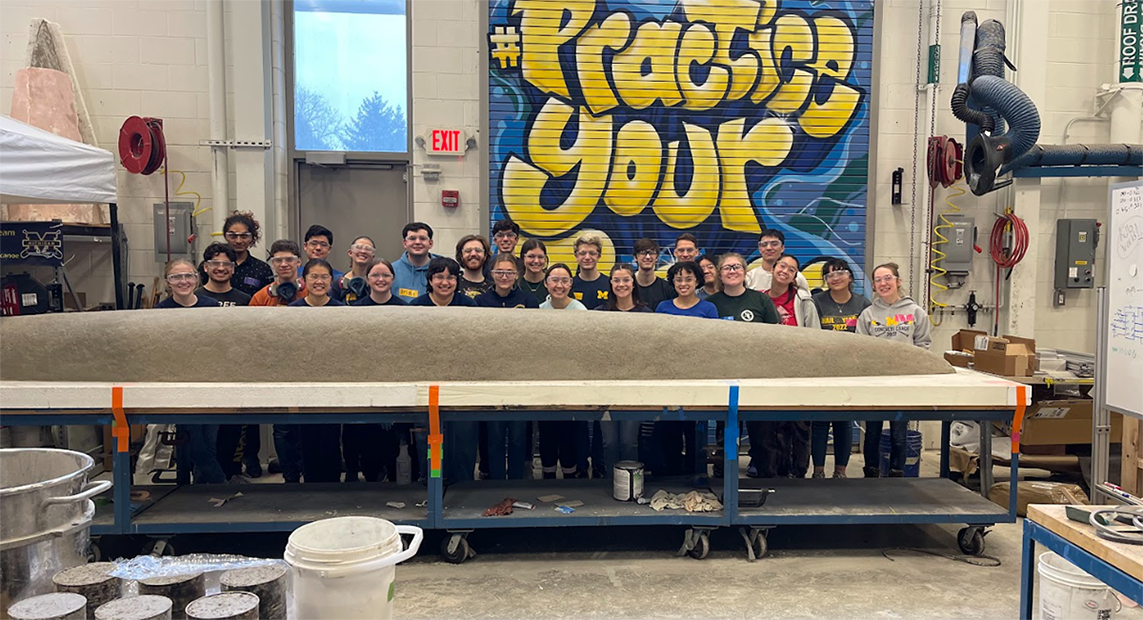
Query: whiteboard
point(1124, 329)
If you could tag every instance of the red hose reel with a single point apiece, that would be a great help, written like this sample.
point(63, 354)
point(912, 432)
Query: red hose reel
point(142, 147)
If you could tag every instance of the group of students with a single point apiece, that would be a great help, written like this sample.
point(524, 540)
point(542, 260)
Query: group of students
point(697, 285)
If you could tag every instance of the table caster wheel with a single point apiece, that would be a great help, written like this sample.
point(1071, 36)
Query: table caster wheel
point(971, 541)
point(701, 548)
point(94, 553)
point(455, 549)
point(159, 547)
point(760, 546)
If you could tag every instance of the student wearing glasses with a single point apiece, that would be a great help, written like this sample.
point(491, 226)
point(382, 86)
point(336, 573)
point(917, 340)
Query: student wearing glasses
point(838, 308)
point(202, 439)
point(892, 316)
point(710, 274)
point(625, 295)
point(411, 268)
point(686, 248)
point(354, 285)
point(318, 242)
point(505, 234)
point(589, 287)
point(242, 232)
point(687, 278)
point(218, 260)
point(620, 438)
point(441, 280)
point(318, 276)
point(652, 288)
point(558, 437)
point(505, 293)
point(534, 257)
point(771, 245)
point(380, 277)
point(473, 254)
point(285, 257)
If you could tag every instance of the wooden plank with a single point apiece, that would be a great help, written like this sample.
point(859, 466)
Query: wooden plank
point(1126, 558)
point(1132, 473)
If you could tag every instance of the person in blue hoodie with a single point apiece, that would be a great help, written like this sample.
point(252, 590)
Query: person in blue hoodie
point(895, 317)
point(411, 270)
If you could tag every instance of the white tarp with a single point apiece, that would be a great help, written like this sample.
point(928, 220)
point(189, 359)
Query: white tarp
point(38, 166)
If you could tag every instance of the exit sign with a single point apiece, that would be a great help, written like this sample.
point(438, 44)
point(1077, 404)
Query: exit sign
point(446, 142)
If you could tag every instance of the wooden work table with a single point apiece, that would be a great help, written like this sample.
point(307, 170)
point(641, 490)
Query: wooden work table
point(1119, 565)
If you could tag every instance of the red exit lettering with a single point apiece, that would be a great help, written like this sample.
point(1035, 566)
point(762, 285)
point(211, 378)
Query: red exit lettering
point(446, 140)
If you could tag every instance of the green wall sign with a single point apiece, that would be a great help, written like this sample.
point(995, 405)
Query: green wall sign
point(1130, 58)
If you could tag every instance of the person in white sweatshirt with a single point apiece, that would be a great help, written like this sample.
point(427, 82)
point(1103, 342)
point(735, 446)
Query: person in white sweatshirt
point(895, 317)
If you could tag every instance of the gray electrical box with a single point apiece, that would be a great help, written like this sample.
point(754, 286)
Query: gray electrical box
point(958, 250)
point(1076, 241)
point(180, 225)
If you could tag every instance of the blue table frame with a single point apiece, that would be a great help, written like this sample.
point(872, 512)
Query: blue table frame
point(1084, 560)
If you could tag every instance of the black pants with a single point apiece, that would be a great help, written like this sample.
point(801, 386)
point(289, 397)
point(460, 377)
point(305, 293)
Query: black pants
point(779, 448)
point(898, 432)
point(230, 449)
point(558, 445)
point(672, 440)
point(321, 452)
point(367, 448)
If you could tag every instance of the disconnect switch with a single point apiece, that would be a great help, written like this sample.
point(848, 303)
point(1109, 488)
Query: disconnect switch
point(1076, 242)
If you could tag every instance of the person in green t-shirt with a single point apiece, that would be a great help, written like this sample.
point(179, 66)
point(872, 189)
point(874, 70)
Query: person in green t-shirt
point(736, 302)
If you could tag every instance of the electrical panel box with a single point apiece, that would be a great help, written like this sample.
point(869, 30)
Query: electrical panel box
point(1076, 241)
point(958, 250)
point(179, 225)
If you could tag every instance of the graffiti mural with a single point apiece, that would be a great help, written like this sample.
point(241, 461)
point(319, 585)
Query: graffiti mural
point(643, 118)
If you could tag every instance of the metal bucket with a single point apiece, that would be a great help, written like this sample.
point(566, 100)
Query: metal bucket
point(627, 481)
point(45, 518)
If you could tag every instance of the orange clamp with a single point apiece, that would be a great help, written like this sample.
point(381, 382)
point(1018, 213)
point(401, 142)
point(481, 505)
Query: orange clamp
point(1018, 416)
point(435, 438)
point(119, 428)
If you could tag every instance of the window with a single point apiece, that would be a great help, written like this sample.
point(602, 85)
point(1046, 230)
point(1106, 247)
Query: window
point(350, 76)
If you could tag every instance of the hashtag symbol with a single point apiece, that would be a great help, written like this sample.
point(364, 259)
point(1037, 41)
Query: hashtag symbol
point(505, 43)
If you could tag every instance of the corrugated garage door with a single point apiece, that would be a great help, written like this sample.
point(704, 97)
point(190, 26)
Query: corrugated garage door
point(718, 118)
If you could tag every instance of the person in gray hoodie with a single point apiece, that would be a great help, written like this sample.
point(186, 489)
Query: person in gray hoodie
point(895, 317)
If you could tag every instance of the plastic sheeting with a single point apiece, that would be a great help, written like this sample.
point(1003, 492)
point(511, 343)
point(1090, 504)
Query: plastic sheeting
point(37, 166)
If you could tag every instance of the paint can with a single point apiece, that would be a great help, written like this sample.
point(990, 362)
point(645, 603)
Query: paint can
point(627, 480)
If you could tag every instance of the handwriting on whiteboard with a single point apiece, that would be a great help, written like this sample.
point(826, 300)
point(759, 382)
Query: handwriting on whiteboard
point(1130, 200)
point(1128, 236)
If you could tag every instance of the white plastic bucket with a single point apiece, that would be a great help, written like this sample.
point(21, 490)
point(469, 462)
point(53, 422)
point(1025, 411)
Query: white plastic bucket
point(345, 567)
point(1068, 593)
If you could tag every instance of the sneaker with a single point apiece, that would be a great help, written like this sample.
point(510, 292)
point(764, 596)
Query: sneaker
point(275, 466)
point(819, 475)
point(254, 469)
point(896, 473)
point(871, 472)
point(838, 474)
point(752, 472)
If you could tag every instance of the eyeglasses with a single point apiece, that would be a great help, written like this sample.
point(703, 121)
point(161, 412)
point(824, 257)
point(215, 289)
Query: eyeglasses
point(560, 280)
point(505, 235)
point(467, 251)
point(181, 277)
point(837, 275)
point(647, 254)
point(586, 253)
point(237, 235)
point(685, 280)
point(317, 244)
point(504, 273)
point(770, 244)
point(437, 277)
point(421, 238)
point(285, 260)
point(380, 276)
point(319, 277)
point(881, 279)
point(361, 247)
point(219, 264)
point(733, 268)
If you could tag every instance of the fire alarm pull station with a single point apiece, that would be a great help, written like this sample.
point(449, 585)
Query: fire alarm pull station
point(450, 198)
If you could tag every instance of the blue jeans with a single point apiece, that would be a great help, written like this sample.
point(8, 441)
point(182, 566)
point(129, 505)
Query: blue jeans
point(872, 445)
point(516, 433)
point(288, 445)
point(201, 443)
point(620, 442)
point(842, 440)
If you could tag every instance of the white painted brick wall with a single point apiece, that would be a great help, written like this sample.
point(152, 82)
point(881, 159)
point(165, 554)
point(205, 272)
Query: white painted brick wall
point(146, 58)
point(1081, 57)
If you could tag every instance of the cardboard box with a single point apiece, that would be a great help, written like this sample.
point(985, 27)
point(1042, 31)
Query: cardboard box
point(1036, 492)
point(1063, 422)
point(1010, 356)
point(965, 340)
point(959, 359)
